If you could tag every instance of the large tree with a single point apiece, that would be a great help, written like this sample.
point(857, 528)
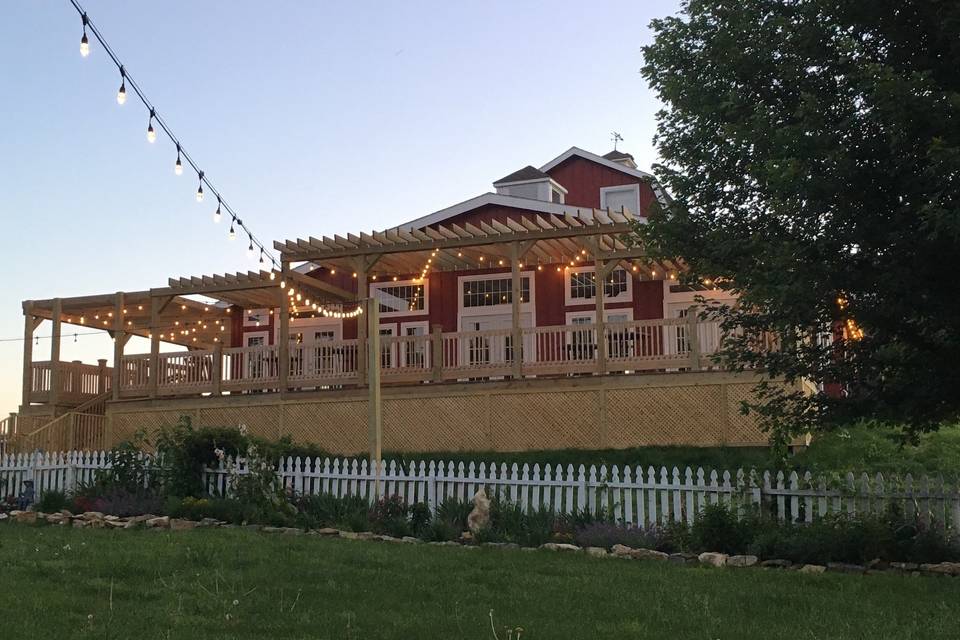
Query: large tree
point(812, 150)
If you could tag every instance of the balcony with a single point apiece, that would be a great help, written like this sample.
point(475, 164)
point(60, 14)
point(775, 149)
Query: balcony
point(631, 347)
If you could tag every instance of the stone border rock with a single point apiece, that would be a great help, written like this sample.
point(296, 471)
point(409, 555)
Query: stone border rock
point(97, 520)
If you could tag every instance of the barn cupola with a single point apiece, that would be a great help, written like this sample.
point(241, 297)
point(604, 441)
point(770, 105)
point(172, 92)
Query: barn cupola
point(622, 158)
point(531, 183)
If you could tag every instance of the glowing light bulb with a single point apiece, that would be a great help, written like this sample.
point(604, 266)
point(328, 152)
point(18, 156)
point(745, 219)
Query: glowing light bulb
point(151, 134)
point(250, 250)
point(233, 233)
point(84, 44)
point(200, 193)
point(216, 214)
point(122, 93)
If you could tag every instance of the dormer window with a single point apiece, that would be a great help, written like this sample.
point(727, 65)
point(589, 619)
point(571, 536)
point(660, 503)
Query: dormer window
point(531, 183)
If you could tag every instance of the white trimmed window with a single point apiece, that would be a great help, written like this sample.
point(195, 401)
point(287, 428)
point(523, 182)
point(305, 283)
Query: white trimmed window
point(621, 197)
point(404, 298)
point(581, 286)
point(490, 292)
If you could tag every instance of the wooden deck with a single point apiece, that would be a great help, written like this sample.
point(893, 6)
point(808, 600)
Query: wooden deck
point(638, 346)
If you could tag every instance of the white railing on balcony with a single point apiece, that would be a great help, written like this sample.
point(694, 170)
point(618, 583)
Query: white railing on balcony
point(641, 345)
point(78, 382)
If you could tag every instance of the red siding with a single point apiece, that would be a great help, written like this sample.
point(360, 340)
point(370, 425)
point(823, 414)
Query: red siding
point(583, 180)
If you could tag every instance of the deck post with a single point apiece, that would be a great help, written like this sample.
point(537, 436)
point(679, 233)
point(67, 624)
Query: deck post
point(436, 352)
point(101, 376)
point(153, 369)
point(600, 273)
point(516, 292)
point(56, 371)
point(119, 341)
point(361, 323)
point(374, 408)
point(283, 349)
point(216, 374)
point(30, 323)
point(693, 338)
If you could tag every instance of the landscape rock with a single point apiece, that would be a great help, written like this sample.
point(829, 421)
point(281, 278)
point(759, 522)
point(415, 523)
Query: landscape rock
point(3, 517)
point(621, 550)
point(328, 531)
point(178, 524)
point(596, 552)
point(683, 558)
point(57, 518)
point(941, 569)
point(411, 540)
point(386, 538)
point(92, 515)
point(115, 524)
point(360, 535)
point(648, 554)
point(713, 559)
point(742, 561)
point(904, 566)
point(559, 546)
point(160, 522)
point(812, 568)
point(445, 543)
point(111, 518)
point(844, 567)
point(209, 522)
point(501, 545)
point(479, 517)
point(24, 517)
point(878, 565)
point(776, 564)
point(79, 524)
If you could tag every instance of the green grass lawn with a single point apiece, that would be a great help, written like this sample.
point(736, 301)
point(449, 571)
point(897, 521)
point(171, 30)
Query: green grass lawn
point(81, 583)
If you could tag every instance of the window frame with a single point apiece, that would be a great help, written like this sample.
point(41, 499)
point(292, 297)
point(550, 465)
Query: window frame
point(425, 283)
point(570, 301)
point(495, 309)
point(605, 191)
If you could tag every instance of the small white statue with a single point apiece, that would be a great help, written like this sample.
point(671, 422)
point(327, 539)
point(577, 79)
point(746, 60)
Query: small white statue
point(480, 516)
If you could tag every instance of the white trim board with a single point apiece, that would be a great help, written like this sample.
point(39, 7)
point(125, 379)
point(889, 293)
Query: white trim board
point(515, 202)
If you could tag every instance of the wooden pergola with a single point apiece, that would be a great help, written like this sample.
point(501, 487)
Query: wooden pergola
point(543, 240)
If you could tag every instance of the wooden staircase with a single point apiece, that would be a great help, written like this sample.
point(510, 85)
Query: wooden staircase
point(83, 428)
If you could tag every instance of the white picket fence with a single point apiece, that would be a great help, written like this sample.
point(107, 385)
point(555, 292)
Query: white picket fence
point(631, 495)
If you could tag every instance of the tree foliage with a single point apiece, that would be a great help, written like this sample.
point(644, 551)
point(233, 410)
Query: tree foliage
point(812, 149)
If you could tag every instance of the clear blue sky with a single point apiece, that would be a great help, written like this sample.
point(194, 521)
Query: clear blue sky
point(311, 118)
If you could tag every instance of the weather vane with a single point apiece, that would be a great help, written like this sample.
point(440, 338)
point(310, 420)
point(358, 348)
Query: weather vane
point(616, 137)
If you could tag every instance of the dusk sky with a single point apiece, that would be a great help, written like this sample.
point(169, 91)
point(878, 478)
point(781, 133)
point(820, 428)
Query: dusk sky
point(310, 118)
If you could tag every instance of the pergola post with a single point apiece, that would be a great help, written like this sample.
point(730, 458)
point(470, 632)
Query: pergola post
point(283, 349)
point(56, 371)
point(600, 273)
point(361, 271)
point(30, 324)
point(374, 408)
point(516, 292)
point(119, 341)
point(153, 371)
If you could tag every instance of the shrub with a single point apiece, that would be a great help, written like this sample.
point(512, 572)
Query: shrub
point(119, 502)
point(389, 516)
point(455, 513)
point(130, 470)
point(718, 528)
point(509, 523)
point(52, 501)
point(325, 510)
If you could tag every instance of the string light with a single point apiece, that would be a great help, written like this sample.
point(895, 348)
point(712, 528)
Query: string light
point(178, 168)
point(216, 214)
point(232, 234)
point(151, 134)
point(156, 122)
point(84, 43)
point(122, 93)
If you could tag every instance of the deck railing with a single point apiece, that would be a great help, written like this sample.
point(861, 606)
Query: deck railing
point(574, 349)
point(78, 382)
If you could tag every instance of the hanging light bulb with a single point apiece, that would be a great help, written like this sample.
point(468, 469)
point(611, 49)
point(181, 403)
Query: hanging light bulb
point(151, 134)
point(233, 233)
point(250, 249)
point(200, 187)
point(178, 168)
point(262, 260)
point(122, 93)
point(84, 43)
point(216, 214)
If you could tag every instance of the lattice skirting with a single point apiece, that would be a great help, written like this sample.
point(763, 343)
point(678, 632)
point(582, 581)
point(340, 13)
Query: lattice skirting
point(615, 412)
